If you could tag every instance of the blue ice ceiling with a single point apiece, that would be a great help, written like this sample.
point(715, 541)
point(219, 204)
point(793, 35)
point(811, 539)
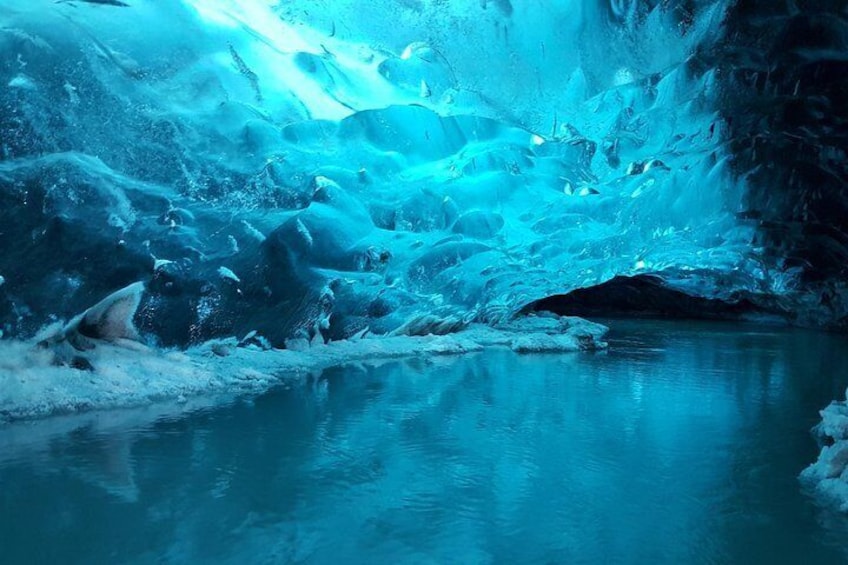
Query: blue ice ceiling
point(327, 166)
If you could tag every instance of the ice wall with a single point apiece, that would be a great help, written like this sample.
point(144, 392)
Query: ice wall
point(322, 167)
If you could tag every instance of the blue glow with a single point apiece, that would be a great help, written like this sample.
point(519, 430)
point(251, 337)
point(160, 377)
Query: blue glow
point(325, 155)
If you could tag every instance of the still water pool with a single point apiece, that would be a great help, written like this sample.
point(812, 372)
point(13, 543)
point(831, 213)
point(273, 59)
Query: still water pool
point(681, 444)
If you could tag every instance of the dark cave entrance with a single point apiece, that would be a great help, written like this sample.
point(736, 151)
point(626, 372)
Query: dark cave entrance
point(643, 296)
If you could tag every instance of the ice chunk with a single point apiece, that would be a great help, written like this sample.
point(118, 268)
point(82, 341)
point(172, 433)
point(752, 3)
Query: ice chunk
point(110, 319)
point(229, 275)
point(828, 476)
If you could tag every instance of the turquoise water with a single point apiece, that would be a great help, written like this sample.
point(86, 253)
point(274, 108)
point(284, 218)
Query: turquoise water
point(681, 444)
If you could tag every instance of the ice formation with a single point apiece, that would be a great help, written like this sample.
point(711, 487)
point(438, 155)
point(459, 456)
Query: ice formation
point(282, 168)
point(828, 477)
point(319, 170)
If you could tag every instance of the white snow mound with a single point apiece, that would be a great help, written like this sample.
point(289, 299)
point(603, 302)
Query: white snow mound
point(38, 380)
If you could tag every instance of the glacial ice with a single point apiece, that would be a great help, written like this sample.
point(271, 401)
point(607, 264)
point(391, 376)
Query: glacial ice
point(310, 172)
point(259, 171)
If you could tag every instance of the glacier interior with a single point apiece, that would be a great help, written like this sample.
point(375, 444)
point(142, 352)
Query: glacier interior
point(199, 175)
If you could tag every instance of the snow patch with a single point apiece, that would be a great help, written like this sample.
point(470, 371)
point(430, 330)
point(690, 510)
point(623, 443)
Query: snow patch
point(124, 373)
point(828, 476)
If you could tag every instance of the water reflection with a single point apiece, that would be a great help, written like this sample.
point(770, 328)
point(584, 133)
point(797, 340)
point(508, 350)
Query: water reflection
point(680, 444)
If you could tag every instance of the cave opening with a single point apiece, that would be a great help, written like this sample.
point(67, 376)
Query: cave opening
point(646, 296)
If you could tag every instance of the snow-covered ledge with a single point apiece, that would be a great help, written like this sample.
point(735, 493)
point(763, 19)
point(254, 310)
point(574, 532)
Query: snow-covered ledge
point(828, 477)
point(54, 376)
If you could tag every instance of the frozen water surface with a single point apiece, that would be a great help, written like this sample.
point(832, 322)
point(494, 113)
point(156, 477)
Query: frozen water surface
point(680, 444)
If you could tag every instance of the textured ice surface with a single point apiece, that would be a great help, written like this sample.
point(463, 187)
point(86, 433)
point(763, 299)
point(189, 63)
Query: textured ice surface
point(318, 168)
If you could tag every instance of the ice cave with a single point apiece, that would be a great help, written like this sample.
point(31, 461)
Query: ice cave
point(423, 281)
